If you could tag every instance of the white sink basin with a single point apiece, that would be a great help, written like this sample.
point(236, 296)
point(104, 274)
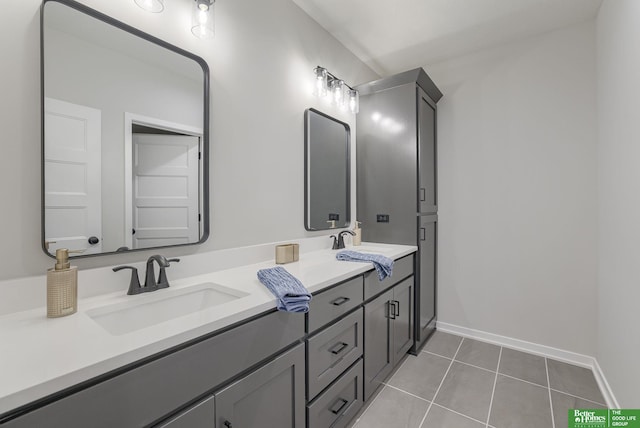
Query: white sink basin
point(162, 305)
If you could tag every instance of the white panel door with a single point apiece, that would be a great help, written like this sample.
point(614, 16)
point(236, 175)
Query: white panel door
point(72, 177)
point(165, 190)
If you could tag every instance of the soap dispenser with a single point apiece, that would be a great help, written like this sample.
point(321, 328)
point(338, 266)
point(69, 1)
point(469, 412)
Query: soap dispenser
point(357, 237)
point(62, 286)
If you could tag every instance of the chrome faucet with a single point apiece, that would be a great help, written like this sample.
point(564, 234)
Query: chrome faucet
point(150, 283)
point(338, 241)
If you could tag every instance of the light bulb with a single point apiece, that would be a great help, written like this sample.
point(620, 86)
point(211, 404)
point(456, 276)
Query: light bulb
point(337, 91)
point(202, 22)
point(320, 87)
point(354, 101)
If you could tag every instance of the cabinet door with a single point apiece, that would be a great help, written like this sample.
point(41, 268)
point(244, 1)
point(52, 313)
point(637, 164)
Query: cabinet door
point(426, 153)
point(377, 335)
point(426, 283)
point(199, 416)
point(271, 396)
point(402, 324)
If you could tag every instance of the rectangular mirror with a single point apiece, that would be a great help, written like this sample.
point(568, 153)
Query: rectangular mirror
point(125, 136)
point(327, 172)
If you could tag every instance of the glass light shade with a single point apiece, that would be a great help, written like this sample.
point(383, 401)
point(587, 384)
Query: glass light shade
point(337, 92)
point(321, 85)
point(155, 6)
point(354, 101)
point(202, 22)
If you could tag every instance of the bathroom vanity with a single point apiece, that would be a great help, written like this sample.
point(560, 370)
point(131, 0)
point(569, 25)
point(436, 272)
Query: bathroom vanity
point(240, 363)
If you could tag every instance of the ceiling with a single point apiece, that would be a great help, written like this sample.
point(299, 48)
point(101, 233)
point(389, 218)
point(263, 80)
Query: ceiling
point(396, 35)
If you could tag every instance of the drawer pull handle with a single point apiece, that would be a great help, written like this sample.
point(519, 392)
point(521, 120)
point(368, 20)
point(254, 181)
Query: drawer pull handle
point(341, 403)
point(227, 424)
point(340, 301)
point(423, 194)
point(396, 306)
point(391, 313)
point(339, 347)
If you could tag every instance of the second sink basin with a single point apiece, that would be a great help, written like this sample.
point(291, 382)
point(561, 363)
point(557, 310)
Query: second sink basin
point(126, 317)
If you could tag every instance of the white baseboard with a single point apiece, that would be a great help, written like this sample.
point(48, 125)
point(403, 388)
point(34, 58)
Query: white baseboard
point(537, 349)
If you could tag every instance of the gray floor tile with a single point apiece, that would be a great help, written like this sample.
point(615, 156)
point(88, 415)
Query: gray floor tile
point(393, 408)
point(444, 344)
point(518, 404)
point(562, 403)
point(479, 354)
point(574, 380)
point(443, 418)
point(523, 366)
point(421, 375)
point(467, 390)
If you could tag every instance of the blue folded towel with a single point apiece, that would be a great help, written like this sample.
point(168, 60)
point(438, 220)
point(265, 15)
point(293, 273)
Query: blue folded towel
point(291, 294)
point(383, 265)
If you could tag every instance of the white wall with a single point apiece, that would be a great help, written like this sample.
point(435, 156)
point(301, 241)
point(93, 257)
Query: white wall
point(261, 68)
point(618, 29)
point(517, 190)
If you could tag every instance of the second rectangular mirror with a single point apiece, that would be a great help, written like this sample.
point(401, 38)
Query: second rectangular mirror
point(327, 172)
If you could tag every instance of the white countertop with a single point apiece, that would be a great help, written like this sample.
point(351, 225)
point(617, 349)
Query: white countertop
point(40, 356)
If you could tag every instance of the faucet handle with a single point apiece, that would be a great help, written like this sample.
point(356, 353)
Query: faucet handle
point(335, 242)
point(134, 283)
point(163, 282)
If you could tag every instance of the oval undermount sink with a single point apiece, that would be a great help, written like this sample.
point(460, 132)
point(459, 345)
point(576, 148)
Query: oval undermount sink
point(126, 317)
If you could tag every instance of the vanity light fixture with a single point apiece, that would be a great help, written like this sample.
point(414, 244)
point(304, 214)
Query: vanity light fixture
point(342, 95)
point(155, 6)
point(202, 23)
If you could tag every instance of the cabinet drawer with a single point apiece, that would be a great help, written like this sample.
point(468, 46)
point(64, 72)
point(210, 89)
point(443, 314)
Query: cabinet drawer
point(332, 351)
point(338, 404)
point(402, 268)
point(330, 304)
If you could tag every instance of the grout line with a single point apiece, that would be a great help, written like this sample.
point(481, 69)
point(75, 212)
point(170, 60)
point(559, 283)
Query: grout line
point(441, 382)
point(553, 419)
point(525, 381)
point(437, 355)
point(406, 392)
point(458, 413)
point(477, 367)
point(495, 381)
point(577, 396)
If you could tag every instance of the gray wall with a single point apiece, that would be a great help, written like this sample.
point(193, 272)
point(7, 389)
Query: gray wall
point(261, 76)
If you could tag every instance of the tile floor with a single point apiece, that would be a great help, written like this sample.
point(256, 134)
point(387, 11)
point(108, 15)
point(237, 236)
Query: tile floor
point(464, 383)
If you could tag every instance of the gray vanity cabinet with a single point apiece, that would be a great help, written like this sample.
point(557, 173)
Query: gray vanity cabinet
point(199, 416)
point(388, 333)
point(272, 396)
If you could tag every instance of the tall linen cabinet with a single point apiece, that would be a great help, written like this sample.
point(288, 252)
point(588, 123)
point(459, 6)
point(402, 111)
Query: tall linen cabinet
point(397, 177)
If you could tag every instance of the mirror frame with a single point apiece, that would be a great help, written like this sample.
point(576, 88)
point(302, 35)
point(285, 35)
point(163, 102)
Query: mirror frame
point(205, 127)
point(307, 142)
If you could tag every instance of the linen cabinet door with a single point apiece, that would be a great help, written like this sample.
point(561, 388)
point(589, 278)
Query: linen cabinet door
point(271, 396)
point(426, 154)
point(377, 335)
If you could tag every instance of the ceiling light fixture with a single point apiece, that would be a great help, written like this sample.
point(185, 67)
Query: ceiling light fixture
point(342, 95)
point(155, 6)
point(202, 23)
